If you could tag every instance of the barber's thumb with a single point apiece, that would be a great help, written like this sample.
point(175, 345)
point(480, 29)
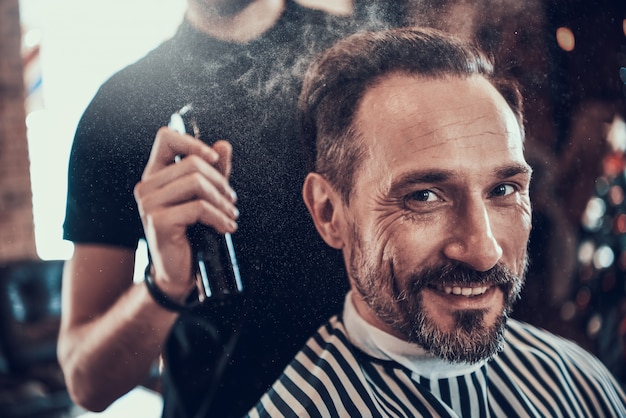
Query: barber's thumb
point(225, 151)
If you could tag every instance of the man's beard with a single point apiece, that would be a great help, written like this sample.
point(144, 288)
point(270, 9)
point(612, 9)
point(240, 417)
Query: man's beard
point(402, 308)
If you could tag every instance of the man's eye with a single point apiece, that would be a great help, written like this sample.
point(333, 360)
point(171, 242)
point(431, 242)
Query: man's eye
point(503, 190)
point(423, 196)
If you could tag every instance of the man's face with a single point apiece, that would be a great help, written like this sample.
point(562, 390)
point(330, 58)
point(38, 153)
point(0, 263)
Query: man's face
point(439, 219)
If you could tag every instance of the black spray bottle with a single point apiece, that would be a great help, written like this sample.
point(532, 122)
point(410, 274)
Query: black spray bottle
point(214, 260)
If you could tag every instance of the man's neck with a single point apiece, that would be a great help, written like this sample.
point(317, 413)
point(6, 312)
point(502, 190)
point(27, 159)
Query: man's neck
point(247, 25)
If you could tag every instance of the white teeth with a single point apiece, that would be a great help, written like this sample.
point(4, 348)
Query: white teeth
point(464, 291)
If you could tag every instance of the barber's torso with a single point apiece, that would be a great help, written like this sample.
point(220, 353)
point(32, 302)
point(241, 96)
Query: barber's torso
point(246, 94)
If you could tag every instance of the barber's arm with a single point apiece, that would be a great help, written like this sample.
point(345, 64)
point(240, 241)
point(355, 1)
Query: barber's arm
point(112, 330)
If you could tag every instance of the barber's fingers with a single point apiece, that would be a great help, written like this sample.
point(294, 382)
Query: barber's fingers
point(216, 209)
point(166, 232)
point(225, 151)
point(165, 229)
point(169, 144)
point(190, 169)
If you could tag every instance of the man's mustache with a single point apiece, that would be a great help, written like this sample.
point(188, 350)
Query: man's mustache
point(452, 273)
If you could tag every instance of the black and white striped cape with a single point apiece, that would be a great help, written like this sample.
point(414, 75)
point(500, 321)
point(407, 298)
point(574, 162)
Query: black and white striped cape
point(536, 375)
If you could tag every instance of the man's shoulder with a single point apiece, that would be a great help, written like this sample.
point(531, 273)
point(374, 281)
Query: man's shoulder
point(523, 339)
point(524, 335)
point(531, 354)
point(554, 371)
point(329, 340)
point(324, 368)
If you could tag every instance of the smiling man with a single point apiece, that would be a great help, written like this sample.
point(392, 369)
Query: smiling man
point(444, 162)
point(419, 177)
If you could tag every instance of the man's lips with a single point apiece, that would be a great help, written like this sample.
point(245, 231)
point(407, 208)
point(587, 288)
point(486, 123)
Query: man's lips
point(456, 296)
point(462, 290)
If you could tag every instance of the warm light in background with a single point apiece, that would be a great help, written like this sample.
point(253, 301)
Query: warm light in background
point(565, 38)
point(81, 43)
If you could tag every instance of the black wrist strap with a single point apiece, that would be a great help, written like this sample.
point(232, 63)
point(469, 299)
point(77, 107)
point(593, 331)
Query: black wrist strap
point(161, 298)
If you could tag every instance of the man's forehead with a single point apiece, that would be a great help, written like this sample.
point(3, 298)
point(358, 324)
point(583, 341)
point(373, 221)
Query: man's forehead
point(426, 105)
point(436, 121)
point(416, 88)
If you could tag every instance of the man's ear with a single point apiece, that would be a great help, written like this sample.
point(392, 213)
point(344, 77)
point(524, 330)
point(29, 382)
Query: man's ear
point(325, 207)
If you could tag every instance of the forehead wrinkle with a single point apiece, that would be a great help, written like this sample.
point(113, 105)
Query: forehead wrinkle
point(431, 134)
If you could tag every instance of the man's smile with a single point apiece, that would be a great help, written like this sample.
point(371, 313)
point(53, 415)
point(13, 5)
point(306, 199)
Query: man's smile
point(463, 290)
point(466, 296)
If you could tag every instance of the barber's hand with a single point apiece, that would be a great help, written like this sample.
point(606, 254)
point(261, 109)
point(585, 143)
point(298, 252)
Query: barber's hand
point(172, 196)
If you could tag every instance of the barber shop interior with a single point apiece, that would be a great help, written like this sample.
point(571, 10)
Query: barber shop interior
point(90, 116)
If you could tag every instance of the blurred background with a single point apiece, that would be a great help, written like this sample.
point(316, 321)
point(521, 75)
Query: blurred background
point(569, 56)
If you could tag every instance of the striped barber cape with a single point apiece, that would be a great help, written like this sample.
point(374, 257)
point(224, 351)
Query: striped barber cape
point(537, 374)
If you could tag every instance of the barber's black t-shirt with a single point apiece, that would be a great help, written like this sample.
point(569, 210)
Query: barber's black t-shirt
point(246, 94)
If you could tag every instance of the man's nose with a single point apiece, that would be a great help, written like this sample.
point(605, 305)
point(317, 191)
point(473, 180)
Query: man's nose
point(472, 241)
